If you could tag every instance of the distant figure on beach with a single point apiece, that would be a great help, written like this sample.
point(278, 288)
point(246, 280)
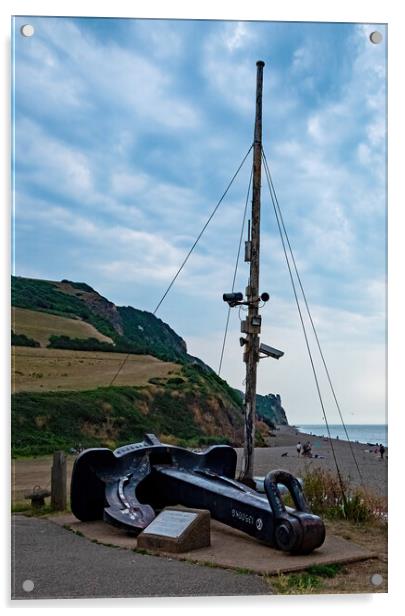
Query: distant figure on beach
point(382, 451)
point(299, 447)
point(307, 450)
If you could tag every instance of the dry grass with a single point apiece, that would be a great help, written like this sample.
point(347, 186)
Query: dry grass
point(38, 370)
point(41, 325)
point(340, 499)
point(356, 577)
point(361, 519)
point(349, 578)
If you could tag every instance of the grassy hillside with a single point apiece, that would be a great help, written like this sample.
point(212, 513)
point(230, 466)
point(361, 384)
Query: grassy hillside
point(190, 409)
point(145, 332)
point(62, 393)
point(39, 370)
point(131, 330)
point(44, 296)
point(41, 325)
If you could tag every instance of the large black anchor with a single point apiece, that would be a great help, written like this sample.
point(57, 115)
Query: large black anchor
point(126, 487)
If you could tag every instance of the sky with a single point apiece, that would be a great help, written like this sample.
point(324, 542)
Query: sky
point(126, 134)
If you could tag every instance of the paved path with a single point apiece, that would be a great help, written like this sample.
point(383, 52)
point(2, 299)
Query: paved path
point(66, 566)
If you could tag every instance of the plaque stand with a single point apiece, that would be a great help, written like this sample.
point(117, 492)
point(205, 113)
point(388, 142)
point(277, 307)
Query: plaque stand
point(177, 529)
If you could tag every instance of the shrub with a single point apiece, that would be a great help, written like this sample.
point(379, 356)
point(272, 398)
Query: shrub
point(176, 380)
point(327, 497)
point(323, 491)
point(23, 340)
point(79, 344)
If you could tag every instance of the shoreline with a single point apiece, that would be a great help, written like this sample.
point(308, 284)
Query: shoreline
point(297, 431)
point(290, 435)
point(281, 453)
point(343, 437)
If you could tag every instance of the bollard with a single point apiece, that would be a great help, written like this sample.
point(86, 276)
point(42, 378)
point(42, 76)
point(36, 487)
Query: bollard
point(58, 482)
point(37, 497)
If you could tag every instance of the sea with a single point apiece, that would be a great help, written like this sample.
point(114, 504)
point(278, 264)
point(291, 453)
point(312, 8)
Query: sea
point(363, 433)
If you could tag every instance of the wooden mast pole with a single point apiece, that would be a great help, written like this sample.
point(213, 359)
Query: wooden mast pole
point(252, 325)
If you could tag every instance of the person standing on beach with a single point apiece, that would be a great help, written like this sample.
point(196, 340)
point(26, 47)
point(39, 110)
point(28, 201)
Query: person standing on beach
point(299, 447)
point(382, 451)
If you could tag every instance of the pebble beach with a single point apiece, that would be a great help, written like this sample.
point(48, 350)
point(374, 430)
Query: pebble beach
point(282, 453)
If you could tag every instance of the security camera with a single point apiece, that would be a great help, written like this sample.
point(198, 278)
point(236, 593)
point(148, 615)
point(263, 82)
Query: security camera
point(232, 298)
point(269, 351)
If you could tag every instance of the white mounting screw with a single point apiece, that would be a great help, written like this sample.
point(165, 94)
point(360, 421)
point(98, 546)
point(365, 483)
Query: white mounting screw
point(27, 30)
point(376, 37)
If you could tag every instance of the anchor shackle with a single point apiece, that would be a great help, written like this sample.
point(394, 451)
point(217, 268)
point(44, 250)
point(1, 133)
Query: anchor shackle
point(295, 530)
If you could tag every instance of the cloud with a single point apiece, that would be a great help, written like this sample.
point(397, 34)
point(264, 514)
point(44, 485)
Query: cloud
point(302, 59)
point(331, 176)
point(76, 69)
point(355, 361)
point(226, 70)
point(128, 132)
point(128, 255)
point(322, 194)
point(161, 41)
point(236, 36)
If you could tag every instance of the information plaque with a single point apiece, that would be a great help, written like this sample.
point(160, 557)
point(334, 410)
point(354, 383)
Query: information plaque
point(171, 523)
point(177, 529)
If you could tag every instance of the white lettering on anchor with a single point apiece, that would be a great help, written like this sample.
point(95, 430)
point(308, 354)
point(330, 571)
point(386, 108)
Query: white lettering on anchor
point(243, 517)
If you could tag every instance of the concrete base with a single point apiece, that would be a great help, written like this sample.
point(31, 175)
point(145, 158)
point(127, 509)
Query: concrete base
point(230, 548)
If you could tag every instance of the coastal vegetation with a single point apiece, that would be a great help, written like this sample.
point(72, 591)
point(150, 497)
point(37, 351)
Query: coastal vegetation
point(69, 388)
point(361, 517)
point(354, 577)
point(340, 499)
point(190, 409)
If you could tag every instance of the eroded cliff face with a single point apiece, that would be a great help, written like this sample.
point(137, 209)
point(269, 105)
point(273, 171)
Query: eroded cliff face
point(95, 302)
point(105, 309)
point(269, 409)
